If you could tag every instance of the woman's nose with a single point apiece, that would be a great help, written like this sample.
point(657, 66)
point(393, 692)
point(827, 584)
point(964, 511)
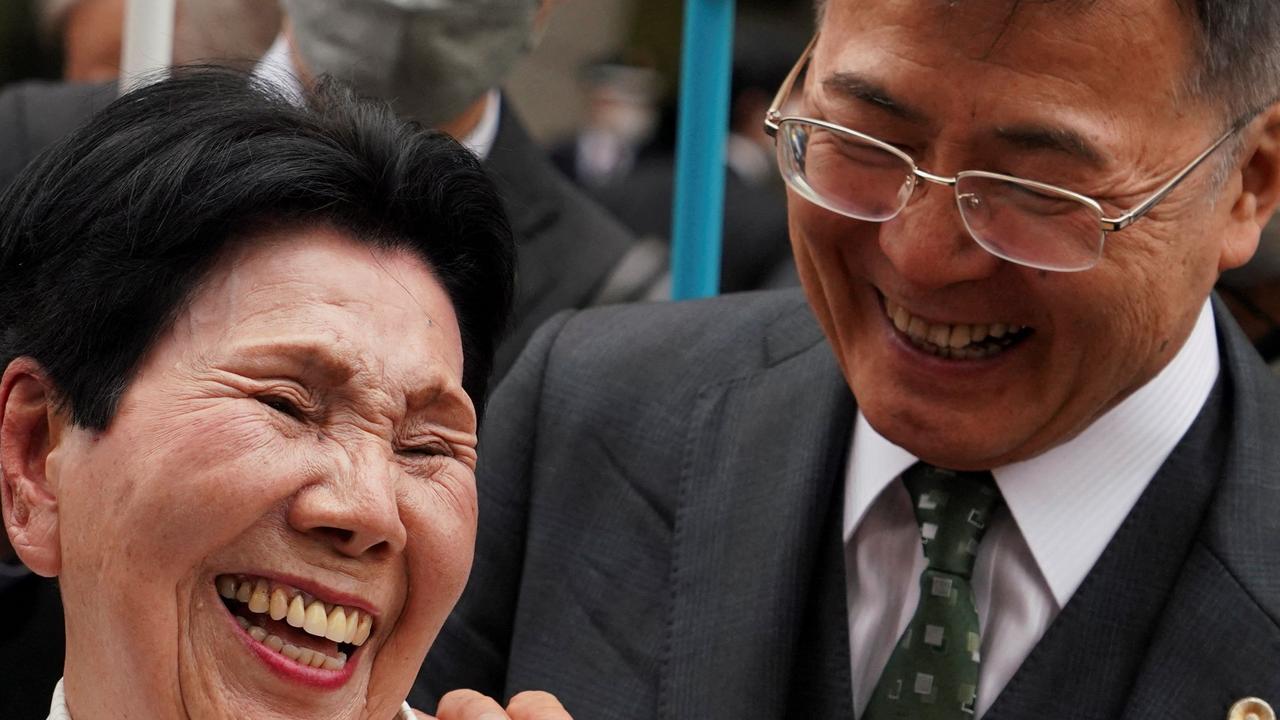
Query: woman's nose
point(354, 508)
point(929, 245)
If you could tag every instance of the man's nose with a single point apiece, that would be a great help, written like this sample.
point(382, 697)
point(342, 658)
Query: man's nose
point(928, 243)
point(354, 507)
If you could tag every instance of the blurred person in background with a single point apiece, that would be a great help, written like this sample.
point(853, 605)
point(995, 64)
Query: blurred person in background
point(91, 33)
point(621, 118)
point(446, 71)
point(24, 54)
point(446, 74)
point(756, 253)
point(34, 114)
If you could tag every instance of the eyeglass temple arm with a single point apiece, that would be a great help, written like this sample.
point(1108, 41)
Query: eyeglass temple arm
point(1132, 216)
point(774, 114)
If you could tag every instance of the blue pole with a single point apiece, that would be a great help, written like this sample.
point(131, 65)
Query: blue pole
point(700, 146)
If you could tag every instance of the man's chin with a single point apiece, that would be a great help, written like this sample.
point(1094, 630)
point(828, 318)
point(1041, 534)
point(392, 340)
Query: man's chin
point(957, 440)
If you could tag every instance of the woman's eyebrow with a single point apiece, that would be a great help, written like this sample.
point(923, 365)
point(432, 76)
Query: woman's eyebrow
point(429, 387)
point(311, 355)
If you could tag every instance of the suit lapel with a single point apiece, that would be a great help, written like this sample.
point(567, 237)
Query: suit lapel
point(1085, 664)
point(524, 177)
point(1175, 620)
point(820, 686)
point(1214, 646)
point(756, 571)
point(1219, 640)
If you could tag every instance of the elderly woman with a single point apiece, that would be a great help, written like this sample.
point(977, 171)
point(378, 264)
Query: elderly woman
point(245, 346)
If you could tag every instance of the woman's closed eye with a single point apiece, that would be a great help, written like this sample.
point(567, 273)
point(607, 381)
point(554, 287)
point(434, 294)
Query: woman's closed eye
point(426, 450)
point(283, 405)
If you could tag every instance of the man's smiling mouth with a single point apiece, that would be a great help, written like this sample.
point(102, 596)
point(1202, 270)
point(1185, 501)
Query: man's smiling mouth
point(958, 341)
point(294, 624)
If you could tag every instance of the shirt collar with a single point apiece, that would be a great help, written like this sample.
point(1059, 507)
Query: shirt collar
point(277, 69)
point(1069, 501)
point(58, 706)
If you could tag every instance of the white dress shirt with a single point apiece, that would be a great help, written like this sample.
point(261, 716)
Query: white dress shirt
point(1062, 508)
point(58, 708)
point(277, 68)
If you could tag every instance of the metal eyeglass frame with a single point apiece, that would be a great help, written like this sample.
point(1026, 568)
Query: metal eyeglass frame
point(773, 122)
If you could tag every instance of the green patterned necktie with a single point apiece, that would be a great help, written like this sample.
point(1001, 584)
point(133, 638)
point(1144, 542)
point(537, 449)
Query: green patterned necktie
point(933, 671)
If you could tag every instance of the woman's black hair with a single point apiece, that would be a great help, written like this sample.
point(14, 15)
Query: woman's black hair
point(106, 235)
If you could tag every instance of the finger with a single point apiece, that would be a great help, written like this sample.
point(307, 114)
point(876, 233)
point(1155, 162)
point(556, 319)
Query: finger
point(469, 705)
point(423, 716)
point(536, 705)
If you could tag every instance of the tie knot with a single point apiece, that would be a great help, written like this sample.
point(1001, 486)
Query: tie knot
point(952, 509)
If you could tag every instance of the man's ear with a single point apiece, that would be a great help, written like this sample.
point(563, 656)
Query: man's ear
point(1259, 189)
point(30, 428)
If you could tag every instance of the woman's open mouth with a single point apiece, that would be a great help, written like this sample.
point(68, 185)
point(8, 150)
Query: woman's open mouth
point(955, 341)
point(294, 624)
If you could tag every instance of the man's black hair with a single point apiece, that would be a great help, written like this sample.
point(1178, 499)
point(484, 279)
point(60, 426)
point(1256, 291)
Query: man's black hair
point(106, 235)
point(1236, 54)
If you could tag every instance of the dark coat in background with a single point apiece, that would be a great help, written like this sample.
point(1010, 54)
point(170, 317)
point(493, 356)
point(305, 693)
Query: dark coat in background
point(755, 252)
point(660, 492)
point(567, 249)
point(31, 650)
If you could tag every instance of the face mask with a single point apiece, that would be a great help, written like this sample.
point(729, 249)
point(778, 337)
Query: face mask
point(431, 58)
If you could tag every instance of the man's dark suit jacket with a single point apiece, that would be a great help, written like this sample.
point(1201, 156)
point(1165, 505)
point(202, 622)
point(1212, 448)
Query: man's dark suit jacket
point(660, 493)
point(566, 249)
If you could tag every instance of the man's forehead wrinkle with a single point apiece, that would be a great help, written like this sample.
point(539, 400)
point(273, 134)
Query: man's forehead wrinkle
point(1031, 134)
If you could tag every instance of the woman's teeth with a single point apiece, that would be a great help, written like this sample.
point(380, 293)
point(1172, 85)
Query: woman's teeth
point(337, 623)
point(960, 342)
point(304, 656)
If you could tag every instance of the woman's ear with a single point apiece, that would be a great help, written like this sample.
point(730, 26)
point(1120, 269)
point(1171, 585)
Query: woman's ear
point(1259, 192)
point(30, 428)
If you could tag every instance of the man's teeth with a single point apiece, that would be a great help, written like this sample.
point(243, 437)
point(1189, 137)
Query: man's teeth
point(964, 342)
point(333, 622)
point(304, 656)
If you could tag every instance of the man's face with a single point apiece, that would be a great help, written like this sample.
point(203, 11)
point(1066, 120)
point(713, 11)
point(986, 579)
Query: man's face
point(1080, 98)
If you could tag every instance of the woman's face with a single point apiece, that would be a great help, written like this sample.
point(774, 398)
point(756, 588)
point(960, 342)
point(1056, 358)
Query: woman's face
point(299, 441)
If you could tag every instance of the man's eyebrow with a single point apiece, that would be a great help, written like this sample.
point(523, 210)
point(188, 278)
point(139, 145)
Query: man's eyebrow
point(860, 87)
point(1054, 139)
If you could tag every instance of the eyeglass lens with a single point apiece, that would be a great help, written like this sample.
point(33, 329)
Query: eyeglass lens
point(857, 178)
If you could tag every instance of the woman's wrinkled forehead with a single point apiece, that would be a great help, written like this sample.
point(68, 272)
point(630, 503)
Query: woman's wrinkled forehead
point(377, 312)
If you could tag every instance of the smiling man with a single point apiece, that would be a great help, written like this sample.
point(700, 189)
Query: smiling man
point(1005, 456)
